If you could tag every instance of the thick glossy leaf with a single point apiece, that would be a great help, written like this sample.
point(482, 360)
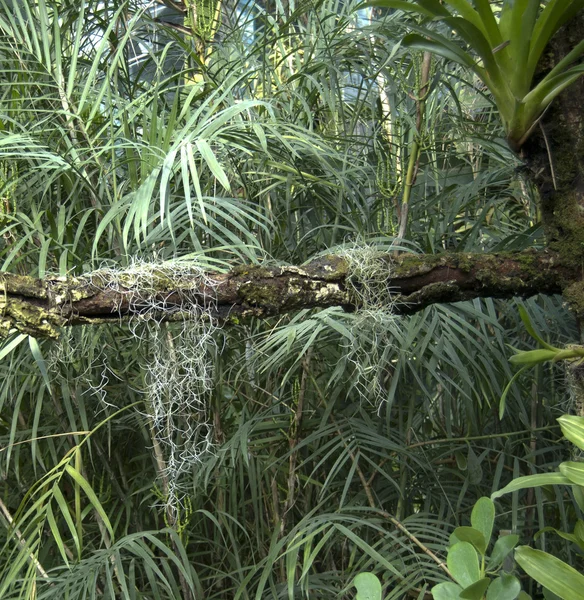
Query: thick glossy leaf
point(472, 536)
point(477, 590)
point(505, 587)
point(529, 481)
point(502, 547)
point(368, 586)
point(551, 572)
point(574, 471)
point(482, 518)
point(523, 19)
point(463, 562)
point(446, 591)
point(573, 429)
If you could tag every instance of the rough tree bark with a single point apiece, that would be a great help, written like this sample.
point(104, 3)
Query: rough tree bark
point(554, 156)
point(41, 307)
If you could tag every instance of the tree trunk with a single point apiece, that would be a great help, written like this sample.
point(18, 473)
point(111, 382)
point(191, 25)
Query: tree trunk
point(172, 291)
point(555, 156)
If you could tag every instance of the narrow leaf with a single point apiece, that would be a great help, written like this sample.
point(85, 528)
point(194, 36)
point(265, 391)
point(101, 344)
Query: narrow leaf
point(521, 483)
point(91, 496)
point(531, 330)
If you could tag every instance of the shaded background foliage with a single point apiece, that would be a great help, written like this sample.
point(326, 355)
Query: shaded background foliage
point(291, 136)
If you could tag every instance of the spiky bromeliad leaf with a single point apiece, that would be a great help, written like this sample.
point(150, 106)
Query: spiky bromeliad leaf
point(509, 51)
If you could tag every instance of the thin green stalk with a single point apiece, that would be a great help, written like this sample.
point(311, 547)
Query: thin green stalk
point(416, 148)
point(491, 436)
point(400, 512)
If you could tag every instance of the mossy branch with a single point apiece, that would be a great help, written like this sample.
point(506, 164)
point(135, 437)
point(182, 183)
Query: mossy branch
point(41, 307)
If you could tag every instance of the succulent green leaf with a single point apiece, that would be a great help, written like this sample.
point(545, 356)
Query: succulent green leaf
point(542, 95)
point(521, 30)
point(502, 547)
point(551, 572)
point(578, 492)
point(482, 518)
point(505, 587)
point(463, 563)
point(477, 590)
point(368, 586)
point(446, 591)
point(472, 536)
point(461, 461)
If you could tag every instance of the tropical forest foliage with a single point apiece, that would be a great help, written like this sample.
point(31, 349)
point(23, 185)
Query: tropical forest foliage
point(261, 457)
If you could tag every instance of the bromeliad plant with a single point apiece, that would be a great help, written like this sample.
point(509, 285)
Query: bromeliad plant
point(509, 42)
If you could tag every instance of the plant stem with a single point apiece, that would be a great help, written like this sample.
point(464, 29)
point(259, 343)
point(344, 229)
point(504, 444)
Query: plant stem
point(480, 437)
point(416, 148)
point(22, 541)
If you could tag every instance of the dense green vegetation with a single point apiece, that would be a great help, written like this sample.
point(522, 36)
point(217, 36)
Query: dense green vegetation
point(274, 457)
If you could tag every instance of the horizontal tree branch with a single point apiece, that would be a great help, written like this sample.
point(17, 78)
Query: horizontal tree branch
point(177, 290)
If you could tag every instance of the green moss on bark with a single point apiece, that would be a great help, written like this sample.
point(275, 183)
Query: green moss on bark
point(574, 296)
